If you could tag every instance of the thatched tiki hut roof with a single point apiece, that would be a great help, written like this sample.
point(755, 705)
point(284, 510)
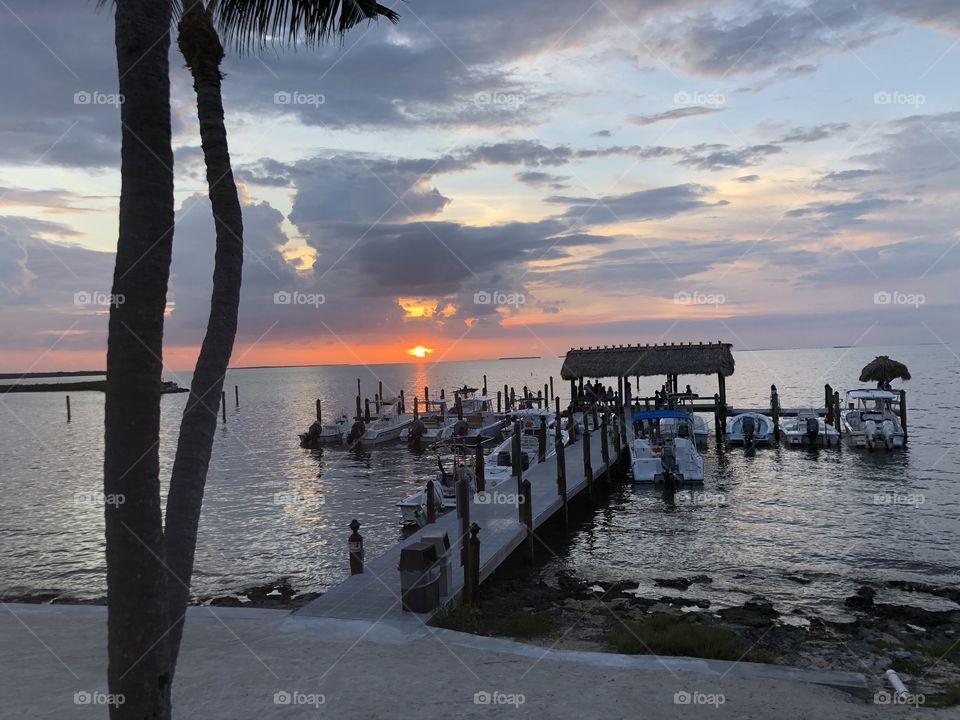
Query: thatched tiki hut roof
point(884, 370)
point(634, 360)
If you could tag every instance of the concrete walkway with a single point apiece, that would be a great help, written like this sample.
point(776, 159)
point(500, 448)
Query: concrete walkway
point(239, 663)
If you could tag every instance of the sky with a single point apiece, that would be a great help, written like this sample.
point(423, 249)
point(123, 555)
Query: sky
point(510, 179)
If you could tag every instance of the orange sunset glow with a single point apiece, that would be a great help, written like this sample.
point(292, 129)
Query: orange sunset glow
point(419, 351)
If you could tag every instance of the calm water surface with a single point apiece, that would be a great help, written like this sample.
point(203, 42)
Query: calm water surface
point(803, 528)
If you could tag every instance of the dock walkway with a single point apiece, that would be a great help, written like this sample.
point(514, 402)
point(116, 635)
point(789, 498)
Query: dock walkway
point(374, 595)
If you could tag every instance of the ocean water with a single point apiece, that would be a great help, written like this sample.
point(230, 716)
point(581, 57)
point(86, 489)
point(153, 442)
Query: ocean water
point(801, 527)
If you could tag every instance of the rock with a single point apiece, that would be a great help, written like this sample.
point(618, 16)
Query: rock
point(685, 602)
point(754, 613)
point(862, 600)
point(680, 583)
point(701, 580)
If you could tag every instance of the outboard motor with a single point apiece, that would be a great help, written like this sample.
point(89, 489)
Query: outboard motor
point(813, 430)
point(668, 461)
point(887, 429)
point(460, 428)
point(870, 432)
point(416, 432)
point(749, 427)
point(356, 432)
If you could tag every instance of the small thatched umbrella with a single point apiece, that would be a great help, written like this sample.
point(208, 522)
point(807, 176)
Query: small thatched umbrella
point(883, 371)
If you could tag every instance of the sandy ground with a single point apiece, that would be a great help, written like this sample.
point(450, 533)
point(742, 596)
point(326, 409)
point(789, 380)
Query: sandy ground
point(247, 663)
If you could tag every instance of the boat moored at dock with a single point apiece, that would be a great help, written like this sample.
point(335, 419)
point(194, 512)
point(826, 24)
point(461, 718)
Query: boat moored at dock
point(657, 459)
point(872, 419)
point(749, 429)
point(807, 428)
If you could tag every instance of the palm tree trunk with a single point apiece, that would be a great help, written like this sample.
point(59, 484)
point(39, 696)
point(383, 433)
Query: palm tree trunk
point(203, 52)
point(136, 579)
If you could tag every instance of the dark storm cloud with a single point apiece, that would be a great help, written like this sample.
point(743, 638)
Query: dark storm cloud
point(656, 203)
point(673, 115)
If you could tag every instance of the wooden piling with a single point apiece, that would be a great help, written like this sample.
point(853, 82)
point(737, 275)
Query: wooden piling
point(903, 414)
point(828, 403)
point(380, 389)
point(515, 454)
point(472, 570)
point(426, 399)
point(717, 419)
point(431, 502)
point(837, 414)
point(775, 412)
point(722, 385)
point(403, 403)
point(587, 465)
point(68, 408)
point(551, 389)
point(484, 384)
point(416, 408)
point(562, 478)
point(506, 398)
point(359, 391)
point(236, 394)
point(478, 470)
point(462, 490)
point(526, 515)
point(459, 407)
point(223, 405)
point(499, 402)
point(366, 409)
point(319, 414)
point(359, 415)
point(605, 446)
point(542, 441)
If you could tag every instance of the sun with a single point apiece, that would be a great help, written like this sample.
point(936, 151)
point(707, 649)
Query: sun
point(419, 351)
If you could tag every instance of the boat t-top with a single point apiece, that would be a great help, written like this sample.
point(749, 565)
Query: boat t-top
point(871, 419)
point(658, 459)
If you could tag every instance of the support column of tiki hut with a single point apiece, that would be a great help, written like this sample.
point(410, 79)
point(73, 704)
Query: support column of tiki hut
point(669, 360)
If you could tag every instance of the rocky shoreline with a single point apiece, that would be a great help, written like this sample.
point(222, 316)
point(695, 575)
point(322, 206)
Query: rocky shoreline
point(922, 645)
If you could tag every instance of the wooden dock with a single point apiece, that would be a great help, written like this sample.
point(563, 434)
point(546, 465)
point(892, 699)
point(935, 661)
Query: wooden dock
point(374, 595)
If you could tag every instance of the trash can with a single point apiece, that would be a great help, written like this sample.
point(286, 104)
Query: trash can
point(441, 543)
point(419, 577)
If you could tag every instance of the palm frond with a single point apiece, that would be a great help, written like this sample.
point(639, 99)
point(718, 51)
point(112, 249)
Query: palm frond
point(255, 23)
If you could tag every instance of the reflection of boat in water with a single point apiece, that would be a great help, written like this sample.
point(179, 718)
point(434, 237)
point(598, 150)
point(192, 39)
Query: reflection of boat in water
point(324, 434)
point(655, 458)
point(808, 428)
point(749, 429)
point(871, 419)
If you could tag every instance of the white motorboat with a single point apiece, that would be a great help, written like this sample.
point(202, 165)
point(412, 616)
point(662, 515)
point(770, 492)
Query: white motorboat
point(413, 508)
point(479, 416)
point(658, 459)
point(696, 427)
point(871, 419)
point(324, 434)
point(431, 423)
point(808, 429)
point(498, 467)
point(749, 429)
point(386, 427)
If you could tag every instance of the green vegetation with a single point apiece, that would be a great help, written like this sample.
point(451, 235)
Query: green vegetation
point(664, 635)
point(505, 619)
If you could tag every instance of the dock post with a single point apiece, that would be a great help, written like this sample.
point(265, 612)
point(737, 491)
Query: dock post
point(594, 417)
point(484, 384)
point(506, 398)
point(472, 571)
point(515, 455)
point(403, 404)
point(366, 409)
point(462, 490)
point(236, 394)
point(355, 548)
point(587, 466)
point(526, 515)
point(903, 414)
point(416, 408)
point(573, 394)
point(551, 391)
point(836, 410)
point(479, 471)
point(828, 403)
point(376, 404)
point(426, 399)
point(722, 383)
point(459, 405)
point(319, 414)
point(513, 399)
point(542, 442)
point(359, 392)
point(359, 415)
point(499, 402)
point(562, 479)
point(223, 405)
point(431, 502)
point(68, 408)
point(717, 422)
point(605, 446)
point(775, 411)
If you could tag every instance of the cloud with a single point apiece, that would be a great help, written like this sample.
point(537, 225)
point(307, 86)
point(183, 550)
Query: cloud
point(656, 203)
point(747, 178)
point(720, 157)
point(673, 115)
point(813, 134)
point(536, 178)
